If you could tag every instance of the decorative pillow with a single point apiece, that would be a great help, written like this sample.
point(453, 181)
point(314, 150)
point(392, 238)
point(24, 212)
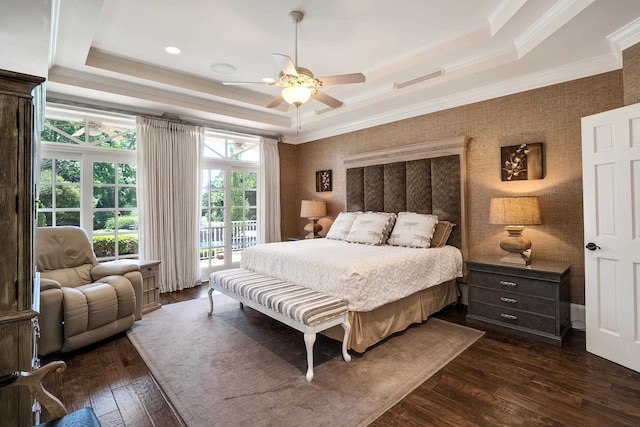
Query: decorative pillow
point(342, 225)
point(413, 230)
point(441, 235)
point(372, 228)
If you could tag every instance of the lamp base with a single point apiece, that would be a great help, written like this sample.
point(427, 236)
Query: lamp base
point(313, 228)
point(516, 258)
point(515, 244)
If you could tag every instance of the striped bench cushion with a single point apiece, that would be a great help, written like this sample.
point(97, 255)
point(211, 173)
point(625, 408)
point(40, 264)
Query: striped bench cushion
point(297, 302)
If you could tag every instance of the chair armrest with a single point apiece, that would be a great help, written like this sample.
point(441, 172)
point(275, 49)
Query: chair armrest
point(113, 268)
point(33, 381)
point(46, 284)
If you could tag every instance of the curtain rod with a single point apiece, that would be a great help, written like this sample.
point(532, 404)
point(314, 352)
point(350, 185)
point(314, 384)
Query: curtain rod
point(170, 117)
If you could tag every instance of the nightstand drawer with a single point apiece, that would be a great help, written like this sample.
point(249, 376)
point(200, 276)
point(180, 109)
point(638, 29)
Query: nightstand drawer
point(514, 284)
point(149, 270)
point(514, 317)
point(513, 300)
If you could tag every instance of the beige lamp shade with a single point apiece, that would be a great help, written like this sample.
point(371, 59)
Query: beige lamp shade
point(313, 210)
point(515, 211)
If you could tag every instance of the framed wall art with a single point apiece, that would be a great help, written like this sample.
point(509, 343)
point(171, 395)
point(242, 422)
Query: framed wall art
point(521, 162)
point(323, 181)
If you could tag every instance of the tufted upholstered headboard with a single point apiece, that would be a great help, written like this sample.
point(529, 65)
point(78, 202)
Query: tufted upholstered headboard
point(426, 178)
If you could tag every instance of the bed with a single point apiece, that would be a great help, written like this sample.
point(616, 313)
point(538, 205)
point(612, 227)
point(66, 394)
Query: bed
point(387, 287)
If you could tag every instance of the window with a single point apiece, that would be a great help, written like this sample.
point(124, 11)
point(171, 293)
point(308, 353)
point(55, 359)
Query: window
point(87, 178)
point(114, 211)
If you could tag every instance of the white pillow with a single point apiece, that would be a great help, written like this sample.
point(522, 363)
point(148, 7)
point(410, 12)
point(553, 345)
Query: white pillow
point(413, 230)
point(372, 228)
point(342, 225)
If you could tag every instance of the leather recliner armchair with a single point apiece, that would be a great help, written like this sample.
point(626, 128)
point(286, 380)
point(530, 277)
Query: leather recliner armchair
point(82, 301)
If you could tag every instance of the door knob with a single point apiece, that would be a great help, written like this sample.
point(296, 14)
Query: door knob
point(592, 246)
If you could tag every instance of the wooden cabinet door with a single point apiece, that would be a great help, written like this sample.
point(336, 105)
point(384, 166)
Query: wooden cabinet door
point(16, 228)
point(8, 203)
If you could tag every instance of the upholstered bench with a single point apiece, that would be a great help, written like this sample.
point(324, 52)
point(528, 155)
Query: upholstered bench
point(303, 309)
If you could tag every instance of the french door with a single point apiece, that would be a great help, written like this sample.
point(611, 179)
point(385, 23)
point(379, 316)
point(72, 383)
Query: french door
point(229, 217)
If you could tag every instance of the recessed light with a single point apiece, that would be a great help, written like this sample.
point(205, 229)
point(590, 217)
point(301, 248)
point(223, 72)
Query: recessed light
point(269, 80)
point(172, 50)
point(222, 68)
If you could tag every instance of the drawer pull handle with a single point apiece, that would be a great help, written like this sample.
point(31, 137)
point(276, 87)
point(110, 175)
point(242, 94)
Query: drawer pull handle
point(509, 316)
point(509, 300)
point(506, 283)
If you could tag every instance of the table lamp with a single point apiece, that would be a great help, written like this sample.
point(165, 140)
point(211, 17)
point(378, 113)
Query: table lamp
point(515, 213)
point(313, 211)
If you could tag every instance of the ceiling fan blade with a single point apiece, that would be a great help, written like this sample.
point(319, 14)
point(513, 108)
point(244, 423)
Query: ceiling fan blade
point(286, 64)
point(343, 79)
point(276, 101)
point(328, 100)
point(245, 83)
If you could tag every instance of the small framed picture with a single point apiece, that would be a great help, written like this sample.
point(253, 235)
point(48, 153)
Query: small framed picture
point(521, 162)
point(323, 181)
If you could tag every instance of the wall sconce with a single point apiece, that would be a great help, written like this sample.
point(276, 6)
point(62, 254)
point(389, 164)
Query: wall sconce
point(313, 211)
point(515, 213)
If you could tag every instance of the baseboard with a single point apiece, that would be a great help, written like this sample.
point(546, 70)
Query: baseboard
point(578, 317)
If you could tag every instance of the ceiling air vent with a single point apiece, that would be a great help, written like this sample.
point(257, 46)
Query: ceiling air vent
point(418, 79)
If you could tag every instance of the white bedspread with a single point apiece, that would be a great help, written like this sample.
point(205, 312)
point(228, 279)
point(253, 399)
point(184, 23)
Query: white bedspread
point(365, 276)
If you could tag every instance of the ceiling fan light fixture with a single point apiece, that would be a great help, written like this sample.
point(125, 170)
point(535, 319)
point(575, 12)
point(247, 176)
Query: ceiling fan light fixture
point(297, 95)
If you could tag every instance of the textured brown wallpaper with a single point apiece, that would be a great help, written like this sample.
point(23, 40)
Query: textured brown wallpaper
point(550, 115)
point(631, 74)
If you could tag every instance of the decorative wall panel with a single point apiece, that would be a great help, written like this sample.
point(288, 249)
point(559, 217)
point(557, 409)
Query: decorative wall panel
point(423, 186)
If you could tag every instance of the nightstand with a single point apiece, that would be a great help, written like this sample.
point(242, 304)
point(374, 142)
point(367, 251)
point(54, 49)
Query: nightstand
point(532, 301)
point(150, 285)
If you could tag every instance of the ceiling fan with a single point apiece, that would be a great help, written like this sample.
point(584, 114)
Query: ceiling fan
point(299, 83)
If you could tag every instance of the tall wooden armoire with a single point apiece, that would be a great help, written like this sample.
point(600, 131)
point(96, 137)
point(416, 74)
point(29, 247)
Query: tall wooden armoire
point(19, 291)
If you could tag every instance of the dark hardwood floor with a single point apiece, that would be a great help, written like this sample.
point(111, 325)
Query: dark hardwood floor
point(500, 380)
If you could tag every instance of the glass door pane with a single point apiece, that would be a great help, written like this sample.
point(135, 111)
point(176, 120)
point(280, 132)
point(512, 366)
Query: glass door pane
point(212, 221)
point(228, 217)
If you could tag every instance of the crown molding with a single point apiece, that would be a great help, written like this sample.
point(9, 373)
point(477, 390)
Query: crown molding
point(624, 38)
point(577, 70)
point(549, 23)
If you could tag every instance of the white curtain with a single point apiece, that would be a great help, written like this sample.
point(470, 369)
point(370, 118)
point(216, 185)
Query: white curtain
point(269, 203)
point(169, 163)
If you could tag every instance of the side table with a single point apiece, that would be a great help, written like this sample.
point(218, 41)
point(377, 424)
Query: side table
point(532, 301)
point(150, 285)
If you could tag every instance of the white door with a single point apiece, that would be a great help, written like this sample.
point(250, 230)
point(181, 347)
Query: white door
point(611, 181)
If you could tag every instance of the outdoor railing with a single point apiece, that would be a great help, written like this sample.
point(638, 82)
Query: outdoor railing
point(243, 235)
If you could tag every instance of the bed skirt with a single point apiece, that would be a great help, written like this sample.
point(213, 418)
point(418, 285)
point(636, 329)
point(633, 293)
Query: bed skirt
point(371, 327)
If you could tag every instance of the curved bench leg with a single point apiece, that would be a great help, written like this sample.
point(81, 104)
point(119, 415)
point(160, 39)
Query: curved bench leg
point(345, 341)
point(309, 340)
point(210, 301)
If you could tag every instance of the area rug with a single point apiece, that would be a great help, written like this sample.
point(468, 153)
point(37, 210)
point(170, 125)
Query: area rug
point(239, 367)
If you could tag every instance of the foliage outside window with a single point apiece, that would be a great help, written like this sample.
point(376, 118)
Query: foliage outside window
point(115, 214)
point(59, 202)
point(90, 133)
